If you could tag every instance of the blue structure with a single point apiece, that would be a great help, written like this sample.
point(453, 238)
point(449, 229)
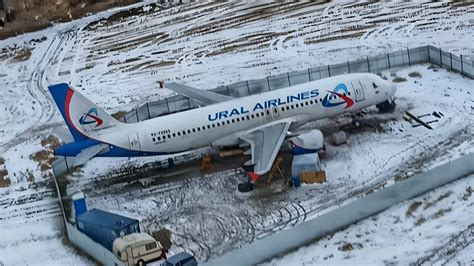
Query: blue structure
point(104, 227)
point(296, 181)
point(80, 205)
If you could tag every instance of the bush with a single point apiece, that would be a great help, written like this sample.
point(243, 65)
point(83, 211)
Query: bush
point(414, 74)
point(399, 79)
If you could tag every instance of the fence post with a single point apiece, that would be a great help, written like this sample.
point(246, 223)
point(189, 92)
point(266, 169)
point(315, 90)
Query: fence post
point(368, 64)
point(462, 66)
point(168, 105)
point(227, 87)
point(288, 76)
point(248, 87)
point(148, 109)
point(268, 82)
point(309, 74)
point(409, 60)
point(451, 59)
point(348, 67)
point(136, 112)
point(429, 56)
point(125, 118)
point(440, 58)
point(388, 59)
point(329, 71)
point(67, 166)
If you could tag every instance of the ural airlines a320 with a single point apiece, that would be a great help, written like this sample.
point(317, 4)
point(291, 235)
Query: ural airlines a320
point(262, 121)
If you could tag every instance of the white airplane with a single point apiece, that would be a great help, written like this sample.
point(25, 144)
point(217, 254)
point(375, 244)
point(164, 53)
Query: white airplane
point(261, 121)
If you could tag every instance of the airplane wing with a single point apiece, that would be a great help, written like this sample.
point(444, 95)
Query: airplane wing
point(203, 96)
point(87, 154)
point(265, 143)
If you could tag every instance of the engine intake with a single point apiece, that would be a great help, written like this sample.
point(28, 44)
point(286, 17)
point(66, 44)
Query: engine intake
point(309, 142)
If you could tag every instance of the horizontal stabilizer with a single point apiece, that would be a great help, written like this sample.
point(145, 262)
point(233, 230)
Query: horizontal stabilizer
point(88, 153)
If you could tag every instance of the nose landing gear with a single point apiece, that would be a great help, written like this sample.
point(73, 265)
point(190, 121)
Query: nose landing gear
point(387, 106)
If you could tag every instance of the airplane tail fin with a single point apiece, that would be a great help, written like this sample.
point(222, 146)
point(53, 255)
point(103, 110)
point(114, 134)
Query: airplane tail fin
point(81, 115)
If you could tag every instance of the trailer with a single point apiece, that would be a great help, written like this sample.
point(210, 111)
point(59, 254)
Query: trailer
point(104, 227)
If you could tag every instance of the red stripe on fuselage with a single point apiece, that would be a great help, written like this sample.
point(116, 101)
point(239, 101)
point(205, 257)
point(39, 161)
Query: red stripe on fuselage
point(349, 101)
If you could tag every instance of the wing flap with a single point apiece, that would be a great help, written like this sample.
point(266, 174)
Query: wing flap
point(265, 143)
point(203, 96)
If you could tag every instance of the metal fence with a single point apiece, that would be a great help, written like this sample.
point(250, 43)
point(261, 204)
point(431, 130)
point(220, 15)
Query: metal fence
point(371, 204)
point(373, 64)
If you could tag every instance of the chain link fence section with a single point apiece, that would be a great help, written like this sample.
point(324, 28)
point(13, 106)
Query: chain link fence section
point(373, 64)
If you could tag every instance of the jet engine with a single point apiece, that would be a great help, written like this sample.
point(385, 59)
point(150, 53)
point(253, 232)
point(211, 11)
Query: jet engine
point(309, 142)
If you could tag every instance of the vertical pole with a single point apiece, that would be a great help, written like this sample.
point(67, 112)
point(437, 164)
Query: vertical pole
point(168, 105)
point(429, 56)
point(409, 60)
point(268, 82)
point(148, 109)
point(348, 67)
point(248, 88)
point(288, 76)
point(329, 71)
point(189, 104)
point(136, 112)
point(368, 64)
point(309, 74)
point(440, 58)
point(227, 88)
point(67, 166)
point(462, 66)
point(451, 59)
point(125, 118)
point(388, 59)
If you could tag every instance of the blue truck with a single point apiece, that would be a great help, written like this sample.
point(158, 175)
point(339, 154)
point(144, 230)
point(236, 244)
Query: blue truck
point(104, 227)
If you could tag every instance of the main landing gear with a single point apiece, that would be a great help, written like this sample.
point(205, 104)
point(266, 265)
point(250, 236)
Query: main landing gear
point(357, 119)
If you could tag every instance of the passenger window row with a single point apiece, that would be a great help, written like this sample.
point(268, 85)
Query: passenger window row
point(239, 119)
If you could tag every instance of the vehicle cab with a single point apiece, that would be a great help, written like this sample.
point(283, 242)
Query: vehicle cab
point(137, 249)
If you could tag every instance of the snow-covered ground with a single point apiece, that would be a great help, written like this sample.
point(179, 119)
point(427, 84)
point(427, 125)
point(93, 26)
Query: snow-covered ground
point(117, 64)
point(435, 228)
point(208, 216)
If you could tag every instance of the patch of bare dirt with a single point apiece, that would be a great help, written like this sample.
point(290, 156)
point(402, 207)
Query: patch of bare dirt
point(42, 14)
point(413, 207)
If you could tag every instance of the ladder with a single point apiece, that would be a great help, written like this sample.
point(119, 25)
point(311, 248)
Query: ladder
point(275, 169)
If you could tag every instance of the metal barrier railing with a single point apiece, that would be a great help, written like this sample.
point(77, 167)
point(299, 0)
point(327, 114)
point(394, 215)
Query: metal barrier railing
point(373, 64)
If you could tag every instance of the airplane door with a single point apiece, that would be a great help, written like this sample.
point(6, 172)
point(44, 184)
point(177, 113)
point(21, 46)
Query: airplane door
point(134, 141)
point(358, 91)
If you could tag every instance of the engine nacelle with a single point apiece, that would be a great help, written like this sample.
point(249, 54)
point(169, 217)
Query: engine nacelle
point(309, 142)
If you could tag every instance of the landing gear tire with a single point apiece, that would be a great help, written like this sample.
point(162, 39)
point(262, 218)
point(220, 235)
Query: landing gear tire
point(356, 123)
point(245, 187)
point(387, 106)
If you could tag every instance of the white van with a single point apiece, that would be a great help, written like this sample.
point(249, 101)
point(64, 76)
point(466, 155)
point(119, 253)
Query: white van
point(137, 249)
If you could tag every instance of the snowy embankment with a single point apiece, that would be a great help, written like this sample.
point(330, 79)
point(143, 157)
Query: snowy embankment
point(435, 228)
point(118, 63)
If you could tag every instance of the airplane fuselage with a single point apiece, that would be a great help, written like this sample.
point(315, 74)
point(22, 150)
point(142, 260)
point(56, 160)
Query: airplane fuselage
point(222, 124)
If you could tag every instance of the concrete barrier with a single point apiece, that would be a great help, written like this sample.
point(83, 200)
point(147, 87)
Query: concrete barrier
point(288, 240)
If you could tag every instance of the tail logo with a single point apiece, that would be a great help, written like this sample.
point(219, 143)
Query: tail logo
point(90, 118)
point(341, 87)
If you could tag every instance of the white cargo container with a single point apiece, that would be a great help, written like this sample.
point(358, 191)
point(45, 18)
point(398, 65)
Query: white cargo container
point(137, 249)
